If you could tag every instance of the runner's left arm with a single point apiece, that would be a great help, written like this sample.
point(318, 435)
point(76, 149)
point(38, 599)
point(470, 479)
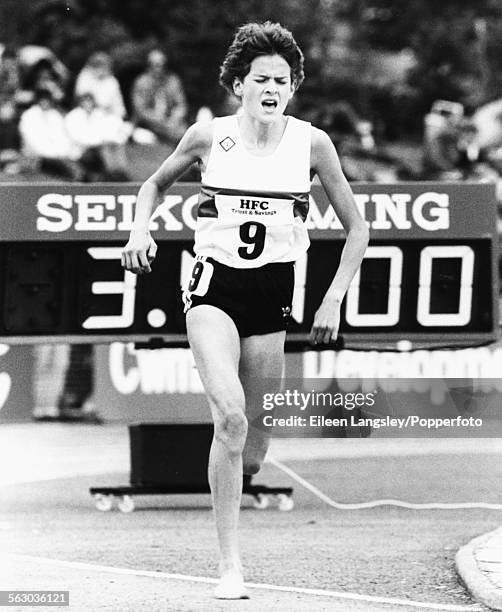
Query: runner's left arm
point(325, 163)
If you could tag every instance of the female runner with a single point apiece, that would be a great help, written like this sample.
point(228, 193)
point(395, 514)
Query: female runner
point(256, 169)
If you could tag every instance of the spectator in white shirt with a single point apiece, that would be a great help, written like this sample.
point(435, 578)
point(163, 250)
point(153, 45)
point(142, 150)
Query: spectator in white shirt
point(97, 77)
point(45, 139)
point(100, 138)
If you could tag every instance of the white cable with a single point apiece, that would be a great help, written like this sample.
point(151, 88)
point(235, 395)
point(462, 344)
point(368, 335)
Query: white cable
point(379, 502)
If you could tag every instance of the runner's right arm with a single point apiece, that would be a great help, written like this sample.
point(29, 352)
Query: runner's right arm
point(141, 249)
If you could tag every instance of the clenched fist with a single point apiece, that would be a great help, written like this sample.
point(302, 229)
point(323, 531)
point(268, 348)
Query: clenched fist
point(139, 252)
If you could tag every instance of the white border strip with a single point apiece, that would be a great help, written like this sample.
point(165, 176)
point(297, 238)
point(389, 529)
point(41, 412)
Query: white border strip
point(268, 587)
point(379, 502)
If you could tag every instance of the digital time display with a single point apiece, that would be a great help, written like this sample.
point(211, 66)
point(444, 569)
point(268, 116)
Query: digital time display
point(425, 285)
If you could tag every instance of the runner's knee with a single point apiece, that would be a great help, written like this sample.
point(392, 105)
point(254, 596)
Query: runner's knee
point(251, 466)
point(231, 430)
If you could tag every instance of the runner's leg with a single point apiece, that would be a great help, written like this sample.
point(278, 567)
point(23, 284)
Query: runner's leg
point(260, 371)
point(214, 342)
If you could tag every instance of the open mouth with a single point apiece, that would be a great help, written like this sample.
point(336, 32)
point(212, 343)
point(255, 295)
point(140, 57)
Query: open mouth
point(269, 104)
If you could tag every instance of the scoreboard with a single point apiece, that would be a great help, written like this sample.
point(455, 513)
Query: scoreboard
point(429, 276)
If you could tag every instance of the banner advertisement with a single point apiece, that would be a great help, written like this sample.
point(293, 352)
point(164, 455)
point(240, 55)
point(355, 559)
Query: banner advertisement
point(142, 385)
point(163, 386)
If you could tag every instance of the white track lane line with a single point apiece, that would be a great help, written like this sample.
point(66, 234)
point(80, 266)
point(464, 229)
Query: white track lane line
point(269, 587)
point(378, 502)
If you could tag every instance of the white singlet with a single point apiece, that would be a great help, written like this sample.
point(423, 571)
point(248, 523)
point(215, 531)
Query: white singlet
point(252, 209)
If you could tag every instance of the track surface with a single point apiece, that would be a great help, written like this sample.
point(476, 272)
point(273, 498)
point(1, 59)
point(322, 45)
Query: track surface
point(383, 552)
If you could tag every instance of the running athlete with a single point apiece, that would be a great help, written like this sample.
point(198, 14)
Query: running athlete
point(256, 169)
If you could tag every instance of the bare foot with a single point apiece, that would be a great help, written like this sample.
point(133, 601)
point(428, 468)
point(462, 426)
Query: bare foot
point(231, 586)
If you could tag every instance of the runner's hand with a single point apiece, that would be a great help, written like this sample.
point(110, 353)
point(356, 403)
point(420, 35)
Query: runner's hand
point(326, 322)
point(138, 253)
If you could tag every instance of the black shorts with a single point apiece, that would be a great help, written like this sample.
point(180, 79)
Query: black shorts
point(258, 300)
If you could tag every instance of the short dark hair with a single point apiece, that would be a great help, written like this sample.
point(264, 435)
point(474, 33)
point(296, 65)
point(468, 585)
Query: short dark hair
point(43, 93)
point(254, 39)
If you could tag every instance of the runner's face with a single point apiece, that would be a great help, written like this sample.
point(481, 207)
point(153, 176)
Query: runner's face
point(266, 89)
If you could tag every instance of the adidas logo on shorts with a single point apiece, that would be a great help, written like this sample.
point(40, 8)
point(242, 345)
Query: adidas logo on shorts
point(286, 311)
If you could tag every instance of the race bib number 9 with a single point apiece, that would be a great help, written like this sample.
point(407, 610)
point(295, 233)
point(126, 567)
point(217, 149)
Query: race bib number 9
point(202, 272)
point(260, 223)
point(252, 234)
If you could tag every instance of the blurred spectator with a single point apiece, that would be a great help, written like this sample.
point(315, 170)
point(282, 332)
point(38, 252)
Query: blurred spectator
point(340, 121)
point(345, 127)
point(42, 75)
point(45, 140)
point(97, 78)
point(100, 139)
point(34, 59)
point(9, 89)
point(31, 55)
point(469, 154)
point(352, 136)
point(158, 100)
point(488, 121)
point(450, 151)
